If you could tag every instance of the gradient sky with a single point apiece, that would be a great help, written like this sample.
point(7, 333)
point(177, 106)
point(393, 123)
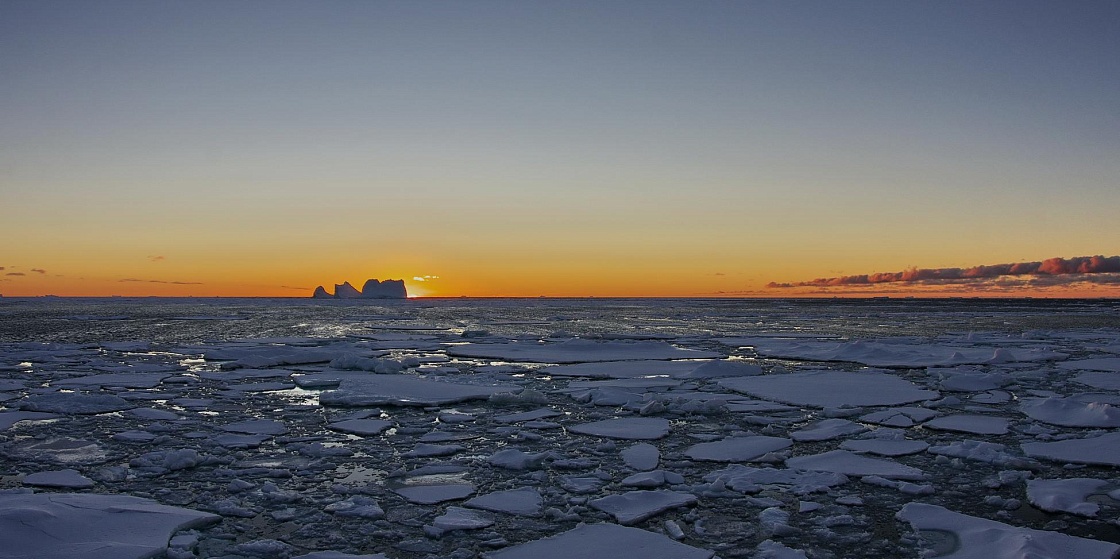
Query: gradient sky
point(549, 148)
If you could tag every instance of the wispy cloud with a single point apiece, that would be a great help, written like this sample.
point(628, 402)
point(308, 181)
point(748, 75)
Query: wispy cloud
point(157, 258)
point(1054, 271)
point(15, 274)
point(424, 278)
point(161, 281)
point(39, 270)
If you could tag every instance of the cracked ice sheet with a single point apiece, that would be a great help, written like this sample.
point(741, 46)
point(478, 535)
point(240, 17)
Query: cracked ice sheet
point(979, 538)
point(578, 350)
point(888, 353)
point(831, 389)
point(405, 390)
point(598, 541)
point(90, 526)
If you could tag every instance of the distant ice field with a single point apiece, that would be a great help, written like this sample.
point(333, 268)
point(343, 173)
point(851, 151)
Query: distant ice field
point(464, 428)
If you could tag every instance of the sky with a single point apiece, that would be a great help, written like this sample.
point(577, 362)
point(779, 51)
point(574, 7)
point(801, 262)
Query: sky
point(522, 148)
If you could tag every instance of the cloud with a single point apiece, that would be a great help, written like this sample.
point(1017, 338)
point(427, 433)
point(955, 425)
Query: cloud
point(157, 258)
point(39, 270)
point(161, 281)
point(424, 278)
point(1068, 270)
point(15, 274)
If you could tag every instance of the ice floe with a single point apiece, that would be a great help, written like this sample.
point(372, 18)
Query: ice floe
point(578, 350)
point(90, 526)
point(847, 463)
point(593, 541)
point(828, 389)
point(1103, 449)
point(969, 537)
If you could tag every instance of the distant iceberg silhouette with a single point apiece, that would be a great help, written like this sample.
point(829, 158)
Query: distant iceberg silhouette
point(373, 289)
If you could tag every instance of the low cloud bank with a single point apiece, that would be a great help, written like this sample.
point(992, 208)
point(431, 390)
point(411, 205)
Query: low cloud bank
point(1053, 271)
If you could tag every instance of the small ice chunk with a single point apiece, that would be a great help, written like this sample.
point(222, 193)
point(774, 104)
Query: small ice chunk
point(635, 506)
point(519, 502)
point(59, 478)
point(432, 494)
point(980, 538)
point(737, 449)
point(847, 463)
point(590, 541)
point(981, 451)
point(967, 423)
point(641, 456)
point(1065, 495)
point(773, 521)
point(630, 428)
point(827, 430)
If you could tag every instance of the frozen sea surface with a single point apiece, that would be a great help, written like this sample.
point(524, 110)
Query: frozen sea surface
point(261, 428)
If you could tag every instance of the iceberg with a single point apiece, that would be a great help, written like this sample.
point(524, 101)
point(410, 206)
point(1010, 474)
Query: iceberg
point(371, 289)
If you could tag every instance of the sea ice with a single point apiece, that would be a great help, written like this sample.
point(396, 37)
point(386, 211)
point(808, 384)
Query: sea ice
point(885, 447)
point(9, 418)
point(737, 449)
point(75, 403)
point(600, 541)
point(578, 350)
point(980, 538)
point(641, 456)
point(364, 427)
point(90, 526)
point(1072, 412)
point(405, 390)
point(622, 369)
point(1065, 495)
point(59, 478)
point(831, 389)
point(827, 429)
point(458, 518)
point(635, 506)
point(1103, 381)
point(1110, 364)
point(847, 463)
point(890, 353)
point(630, 428)
point(966, 423)
point(746, 479)
point(525, 501)
point(906, 416)
point(256, 427)
point(432, 494)
point(1103, 449)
